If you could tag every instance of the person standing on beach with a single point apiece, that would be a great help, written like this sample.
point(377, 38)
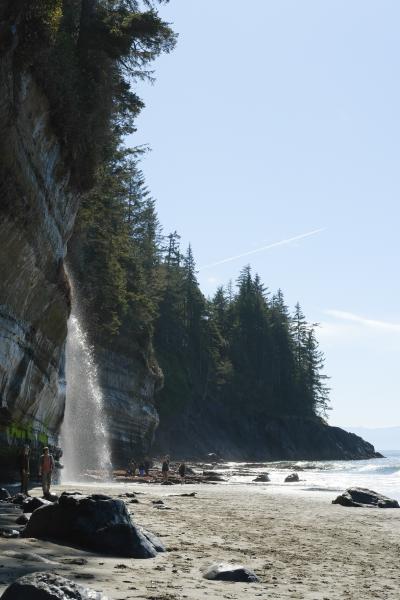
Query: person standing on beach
point(132, 468)
point(23, 463)
point(147, 466)
point(165, 468)
point(182, 471)
point(46, 467)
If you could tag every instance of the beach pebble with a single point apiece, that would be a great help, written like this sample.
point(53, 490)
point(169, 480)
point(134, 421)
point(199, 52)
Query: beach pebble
point(362, 497)
point(292, 478)
point(230, 572)
point(47, 586)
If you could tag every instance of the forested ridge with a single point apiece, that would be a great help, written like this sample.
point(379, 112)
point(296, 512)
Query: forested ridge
point(239, 355)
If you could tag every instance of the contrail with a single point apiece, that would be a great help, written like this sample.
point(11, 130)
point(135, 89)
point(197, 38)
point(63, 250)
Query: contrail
point(256, 250)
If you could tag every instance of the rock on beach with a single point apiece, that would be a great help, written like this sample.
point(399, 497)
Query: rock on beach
point(47, 586)
point(95, 522)
point(230, 572)
point(263, 477)
point(362, 497)
point(292, 478)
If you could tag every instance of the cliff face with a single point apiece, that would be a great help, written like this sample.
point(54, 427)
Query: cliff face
point(128, 390)
point(37, 215)
point(37, 212)
point(284, 438)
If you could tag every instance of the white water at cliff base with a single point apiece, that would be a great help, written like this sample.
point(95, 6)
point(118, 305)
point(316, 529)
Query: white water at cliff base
point(84, 435)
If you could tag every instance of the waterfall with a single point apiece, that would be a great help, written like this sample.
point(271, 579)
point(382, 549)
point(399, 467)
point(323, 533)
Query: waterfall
point(84, 435)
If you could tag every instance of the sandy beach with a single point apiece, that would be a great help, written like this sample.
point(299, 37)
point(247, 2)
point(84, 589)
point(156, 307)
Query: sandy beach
point(300, 547)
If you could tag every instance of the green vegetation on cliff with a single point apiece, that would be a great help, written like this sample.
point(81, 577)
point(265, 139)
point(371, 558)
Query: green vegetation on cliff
point(85, 54)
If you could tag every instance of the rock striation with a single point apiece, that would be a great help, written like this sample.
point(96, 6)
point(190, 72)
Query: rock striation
point(128, 388)
point(37, 212)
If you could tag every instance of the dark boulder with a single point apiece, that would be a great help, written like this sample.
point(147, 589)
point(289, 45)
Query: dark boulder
point(23, 519)
point(4, 494)
point(361, 497)
point(264, 477)
point(31, 504)
point(292, 478)
point(18, 499)
point(94, 522)
point(230, 572)
point(51, 497)
point(47, 586)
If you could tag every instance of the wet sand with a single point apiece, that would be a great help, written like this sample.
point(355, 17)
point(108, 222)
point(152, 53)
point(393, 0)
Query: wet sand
point(299, 546)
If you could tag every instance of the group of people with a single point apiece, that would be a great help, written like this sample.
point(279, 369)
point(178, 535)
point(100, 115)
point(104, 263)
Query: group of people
point(165, 469)
point(46, 468)
point(144, 468)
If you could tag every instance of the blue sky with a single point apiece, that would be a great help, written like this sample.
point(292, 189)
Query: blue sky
point(273, 119)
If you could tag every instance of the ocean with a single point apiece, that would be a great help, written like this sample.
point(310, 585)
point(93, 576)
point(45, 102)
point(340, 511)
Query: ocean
point(320, 477)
